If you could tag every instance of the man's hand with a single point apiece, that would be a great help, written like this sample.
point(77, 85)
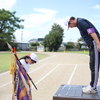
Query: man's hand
point(98, 46)
point(94, 36)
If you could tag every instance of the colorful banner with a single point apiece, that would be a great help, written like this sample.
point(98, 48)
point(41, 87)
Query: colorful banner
point(22, 85)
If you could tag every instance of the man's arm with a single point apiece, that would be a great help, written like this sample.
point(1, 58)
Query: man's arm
point(94, 36)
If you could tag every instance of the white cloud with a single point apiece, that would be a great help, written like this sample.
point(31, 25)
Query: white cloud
point(36, 24)
point(34, 20)
point(46, 28)
point(96, 7)
point(48, 12)
point(7, 4)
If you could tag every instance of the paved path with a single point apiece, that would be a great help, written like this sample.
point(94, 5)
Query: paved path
point(49, 73)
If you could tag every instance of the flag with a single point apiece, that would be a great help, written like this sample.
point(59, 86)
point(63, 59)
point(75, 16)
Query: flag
point(21, 84)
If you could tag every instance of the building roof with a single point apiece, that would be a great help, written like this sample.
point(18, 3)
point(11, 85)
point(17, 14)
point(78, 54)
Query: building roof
point(40, 39)
point(35, 40)
point(21, 42)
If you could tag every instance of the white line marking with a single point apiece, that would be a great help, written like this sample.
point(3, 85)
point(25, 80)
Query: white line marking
point(38, 61)
point(36, 68)
point(4, 73)
point(29, 72)
point(72, 74)
point(47, 58)
point(5, 84)
point(46, 75)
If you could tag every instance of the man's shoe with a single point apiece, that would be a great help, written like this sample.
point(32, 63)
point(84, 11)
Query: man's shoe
point(89, 89)
point(86, 87)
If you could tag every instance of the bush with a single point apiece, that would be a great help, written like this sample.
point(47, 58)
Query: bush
point(82, 49)
point(5, 46)
point(34, 44)
point(33, 48)
point(69, 46)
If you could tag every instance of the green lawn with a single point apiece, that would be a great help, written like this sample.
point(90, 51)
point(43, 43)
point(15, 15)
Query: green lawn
point(5, 60)
point(80, 52)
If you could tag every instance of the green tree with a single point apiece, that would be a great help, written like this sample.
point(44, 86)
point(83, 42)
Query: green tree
point(8, 25)
point(55, 37)
point(79, 45)
point(45, 42)
point(80, 39)
point(34, 44)
point(70, 45)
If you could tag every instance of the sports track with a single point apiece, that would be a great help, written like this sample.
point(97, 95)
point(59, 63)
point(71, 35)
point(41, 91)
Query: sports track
point(49, 73)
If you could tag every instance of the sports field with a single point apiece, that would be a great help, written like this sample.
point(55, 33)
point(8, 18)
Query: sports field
point(49, 73)
point(5, 59)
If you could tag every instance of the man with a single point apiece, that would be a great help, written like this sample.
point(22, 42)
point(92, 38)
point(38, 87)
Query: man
point(91, 36)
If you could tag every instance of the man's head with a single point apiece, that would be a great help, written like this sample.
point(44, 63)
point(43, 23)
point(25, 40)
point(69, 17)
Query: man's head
point(70, 22)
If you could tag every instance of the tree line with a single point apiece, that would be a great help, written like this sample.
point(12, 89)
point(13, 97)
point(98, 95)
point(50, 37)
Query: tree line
point(9, 23)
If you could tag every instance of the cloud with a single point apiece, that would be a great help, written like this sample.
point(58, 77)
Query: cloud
point(96, 7)
point(34, 20)
point(36, 24)
point(46, 11)
point(7, 4)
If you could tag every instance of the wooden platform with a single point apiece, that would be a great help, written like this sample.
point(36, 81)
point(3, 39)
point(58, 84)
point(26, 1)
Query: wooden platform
point(74, 92)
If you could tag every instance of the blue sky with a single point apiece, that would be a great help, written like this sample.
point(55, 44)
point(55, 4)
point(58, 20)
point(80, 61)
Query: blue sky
point(40, 15)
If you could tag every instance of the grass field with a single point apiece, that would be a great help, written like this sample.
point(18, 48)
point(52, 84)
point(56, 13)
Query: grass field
point(5, 59)
point(80, 52)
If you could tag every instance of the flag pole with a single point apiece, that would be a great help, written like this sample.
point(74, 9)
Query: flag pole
point(9, 46)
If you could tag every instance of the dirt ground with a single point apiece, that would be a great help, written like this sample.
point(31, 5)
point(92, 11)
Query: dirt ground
point(49, 73)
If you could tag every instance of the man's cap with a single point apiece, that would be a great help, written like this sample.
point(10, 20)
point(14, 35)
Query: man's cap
point(66, 21)
point(33, 57)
